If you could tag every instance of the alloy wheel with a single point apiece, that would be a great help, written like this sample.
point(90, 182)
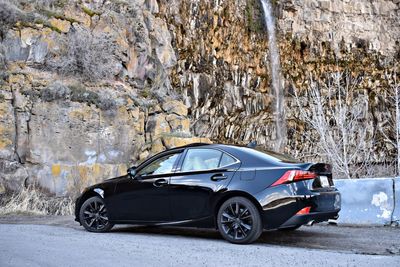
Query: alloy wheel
point(237, 221)
point(95, 215)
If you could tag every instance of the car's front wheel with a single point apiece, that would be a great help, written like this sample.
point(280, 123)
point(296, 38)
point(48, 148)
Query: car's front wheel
point(93, 215)
point(239, 221)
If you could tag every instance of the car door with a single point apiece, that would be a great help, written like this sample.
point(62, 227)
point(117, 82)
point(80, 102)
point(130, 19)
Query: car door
point(145, 198)
point(202, 173)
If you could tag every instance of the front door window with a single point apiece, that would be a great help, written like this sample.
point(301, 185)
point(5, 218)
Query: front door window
point(162, 165)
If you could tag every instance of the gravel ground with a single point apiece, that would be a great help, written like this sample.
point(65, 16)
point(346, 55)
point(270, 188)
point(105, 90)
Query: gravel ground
point(58, 241)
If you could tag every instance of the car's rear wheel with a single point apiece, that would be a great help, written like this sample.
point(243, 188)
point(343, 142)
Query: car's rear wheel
point(239, 221)
point(93, 215)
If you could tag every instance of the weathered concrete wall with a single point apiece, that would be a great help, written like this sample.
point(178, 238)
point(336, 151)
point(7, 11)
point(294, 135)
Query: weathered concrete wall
point(368, 201)
point(396, 212)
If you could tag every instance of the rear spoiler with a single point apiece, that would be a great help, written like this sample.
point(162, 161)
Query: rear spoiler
point(320, 168)
point(252, 144)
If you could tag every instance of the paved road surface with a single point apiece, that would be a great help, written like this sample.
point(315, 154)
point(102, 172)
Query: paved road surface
point(57, 241)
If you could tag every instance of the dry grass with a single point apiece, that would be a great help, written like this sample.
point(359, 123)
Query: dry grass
point(85, 54)
point(31, 201)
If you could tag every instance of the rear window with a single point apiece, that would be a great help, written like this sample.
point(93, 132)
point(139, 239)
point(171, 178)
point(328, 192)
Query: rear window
point(271, 155)
point(226, 160)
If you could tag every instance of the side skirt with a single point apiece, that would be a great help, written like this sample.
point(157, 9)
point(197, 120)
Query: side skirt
point(205, 222)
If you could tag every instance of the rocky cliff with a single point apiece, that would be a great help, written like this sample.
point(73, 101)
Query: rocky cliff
point(91, 87)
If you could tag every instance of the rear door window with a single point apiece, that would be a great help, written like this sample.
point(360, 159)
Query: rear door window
point(206, 159)
point(201, 159)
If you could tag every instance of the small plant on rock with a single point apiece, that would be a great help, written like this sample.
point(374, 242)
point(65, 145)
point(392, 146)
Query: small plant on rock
point(86, 54)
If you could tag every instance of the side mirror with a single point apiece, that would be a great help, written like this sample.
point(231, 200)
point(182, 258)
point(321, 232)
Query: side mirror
point(132, 171)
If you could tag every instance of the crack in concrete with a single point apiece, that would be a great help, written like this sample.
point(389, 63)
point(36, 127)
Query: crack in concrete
point(393, 221)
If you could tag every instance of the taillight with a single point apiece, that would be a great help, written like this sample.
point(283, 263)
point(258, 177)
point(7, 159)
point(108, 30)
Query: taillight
point(293, 176)
point(306, 210)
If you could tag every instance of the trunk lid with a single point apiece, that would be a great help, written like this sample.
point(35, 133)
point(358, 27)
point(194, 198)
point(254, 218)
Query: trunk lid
point(324, 174)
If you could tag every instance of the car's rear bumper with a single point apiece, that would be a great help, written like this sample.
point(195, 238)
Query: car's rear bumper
point(281, 205)
point(314, 217)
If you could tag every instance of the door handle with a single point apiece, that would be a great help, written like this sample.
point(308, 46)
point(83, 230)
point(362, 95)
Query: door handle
point(160, 182)
point(218, 177)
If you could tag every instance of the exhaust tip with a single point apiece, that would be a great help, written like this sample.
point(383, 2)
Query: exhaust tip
point(332, 221)
point(310, 223)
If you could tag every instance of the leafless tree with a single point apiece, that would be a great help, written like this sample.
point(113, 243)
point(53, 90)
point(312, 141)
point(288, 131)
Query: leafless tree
point(396, 88)
point(336, 110)
point(394, 119)
point(86, 54)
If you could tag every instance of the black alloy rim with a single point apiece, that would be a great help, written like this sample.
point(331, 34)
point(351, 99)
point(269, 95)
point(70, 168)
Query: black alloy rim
point(236, 221)
point(95, 215)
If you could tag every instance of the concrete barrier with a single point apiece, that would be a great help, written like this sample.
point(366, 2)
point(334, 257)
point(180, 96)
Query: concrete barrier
point(366, 201)
point(396, 212)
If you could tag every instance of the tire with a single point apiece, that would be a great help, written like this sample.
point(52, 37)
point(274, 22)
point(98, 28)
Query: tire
point(93, 215)
point(292, 228)
point(239, 221)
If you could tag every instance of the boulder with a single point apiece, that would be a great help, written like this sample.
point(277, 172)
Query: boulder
point(174, 106)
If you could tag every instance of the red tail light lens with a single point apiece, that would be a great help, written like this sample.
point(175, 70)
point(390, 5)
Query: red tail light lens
point(293, 176)
point(306, 210)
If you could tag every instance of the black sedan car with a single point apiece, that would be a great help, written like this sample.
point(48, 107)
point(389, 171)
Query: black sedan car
point(238, 190)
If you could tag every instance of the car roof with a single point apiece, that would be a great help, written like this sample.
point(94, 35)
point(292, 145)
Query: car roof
point(247, 155)
point(204, 145)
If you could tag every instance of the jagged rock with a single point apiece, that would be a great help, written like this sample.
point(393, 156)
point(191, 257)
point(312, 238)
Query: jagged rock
point(138, 119)
point(14, 51)
point(152, 6)
point(172, 141)
point(164, 49)
point(2, 189)
point(157, 146)
point(13, 174)
point(7, 130)
point(176, 107)
point(157, 125)
point(144, 155)
point(62, 25)
point(178, 123)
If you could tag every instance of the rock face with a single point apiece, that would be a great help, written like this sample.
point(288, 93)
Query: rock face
point(371, 25)
point(90, 88)
point(223, 68)
point(86, 93)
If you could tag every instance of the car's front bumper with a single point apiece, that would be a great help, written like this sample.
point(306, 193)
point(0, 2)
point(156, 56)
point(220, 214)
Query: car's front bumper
point(76, 210)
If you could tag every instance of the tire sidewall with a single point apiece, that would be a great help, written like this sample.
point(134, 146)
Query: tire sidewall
point(82, 221)
point(257, 223)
